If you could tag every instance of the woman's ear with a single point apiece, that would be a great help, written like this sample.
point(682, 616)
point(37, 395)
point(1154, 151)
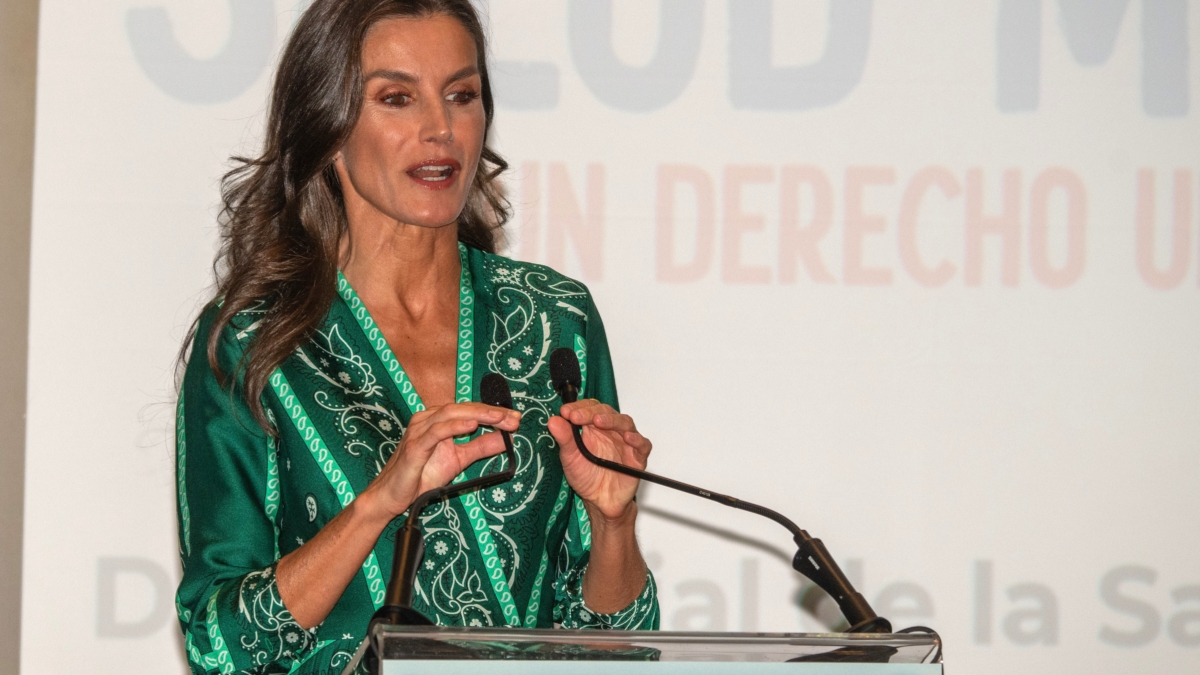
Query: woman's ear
point(339, 166)
point(343, 177)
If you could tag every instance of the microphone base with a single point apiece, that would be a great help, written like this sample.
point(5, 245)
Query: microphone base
point(396, 615)
point(878, 625)
point(814, 561)
point(390, 615)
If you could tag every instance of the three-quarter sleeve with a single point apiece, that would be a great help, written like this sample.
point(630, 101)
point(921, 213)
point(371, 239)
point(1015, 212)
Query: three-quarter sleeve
point(571, 611)
point(569, 608)
point(229, 606)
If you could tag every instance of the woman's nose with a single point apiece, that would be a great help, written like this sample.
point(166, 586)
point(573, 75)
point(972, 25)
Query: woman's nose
point(436, 127)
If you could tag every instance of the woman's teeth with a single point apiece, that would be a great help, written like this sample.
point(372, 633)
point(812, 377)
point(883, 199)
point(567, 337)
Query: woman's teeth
point(433, 173)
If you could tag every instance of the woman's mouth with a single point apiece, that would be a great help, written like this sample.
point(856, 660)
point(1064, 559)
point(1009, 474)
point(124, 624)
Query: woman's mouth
point(435, 173)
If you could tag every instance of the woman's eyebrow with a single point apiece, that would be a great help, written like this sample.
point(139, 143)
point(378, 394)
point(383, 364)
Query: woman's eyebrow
point(463, 73)
point(409, 78)
point(395, 75)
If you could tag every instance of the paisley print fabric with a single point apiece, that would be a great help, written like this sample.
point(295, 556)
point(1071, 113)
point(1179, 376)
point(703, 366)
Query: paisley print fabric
point(512, 555)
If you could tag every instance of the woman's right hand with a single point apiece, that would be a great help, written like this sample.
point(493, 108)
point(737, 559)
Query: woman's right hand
point(427, 456)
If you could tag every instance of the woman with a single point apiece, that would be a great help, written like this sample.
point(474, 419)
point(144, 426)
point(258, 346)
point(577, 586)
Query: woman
point(359, 302)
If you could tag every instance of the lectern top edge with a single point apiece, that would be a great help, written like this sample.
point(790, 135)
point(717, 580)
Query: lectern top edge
point(565, 636)
point(397, 644)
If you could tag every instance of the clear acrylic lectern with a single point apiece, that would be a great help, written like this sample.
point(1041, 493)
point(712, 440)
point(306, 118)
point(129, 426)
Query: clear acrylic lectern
point(431, 650)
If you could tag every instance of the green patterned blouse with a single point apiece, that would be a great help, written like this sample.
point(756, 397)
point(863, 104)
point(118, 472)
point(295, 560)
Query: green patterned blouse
point(512, 555)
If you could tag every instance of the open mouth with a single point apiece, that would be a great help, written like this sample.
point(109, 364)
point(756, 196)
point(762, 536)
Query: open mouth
point(434, 173)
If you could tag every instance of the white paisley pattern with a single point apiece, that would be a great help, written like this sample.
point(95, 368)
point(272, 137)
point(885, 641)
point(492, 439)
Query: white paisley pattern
point(452, 587)
point(361, 399)
point(510, 555)
point(459, 587)
point(273, 634)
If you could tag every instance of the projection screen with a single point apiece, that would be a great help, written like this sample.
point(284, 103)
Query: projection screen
point(921, 275)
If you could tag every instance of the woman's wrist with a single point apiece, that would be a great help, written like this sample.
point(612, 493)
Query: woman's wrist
point(369, 510)
point(616, 573)
point(602, 524)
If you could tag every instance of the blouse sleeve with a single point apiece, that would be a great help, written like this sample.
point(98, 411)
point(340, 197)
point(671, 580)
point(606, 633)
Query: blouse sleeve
point(569, 607)
point(229, 607)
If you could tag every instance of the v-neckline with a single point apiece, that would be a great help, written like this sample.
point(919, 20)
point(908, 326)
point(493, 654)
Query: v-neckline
point(465, 358)
point(464, 387)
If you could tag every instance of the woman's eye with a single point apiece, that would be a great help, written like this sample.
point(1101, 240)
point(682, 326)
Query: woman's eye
point(465, 96)
point(396, 99)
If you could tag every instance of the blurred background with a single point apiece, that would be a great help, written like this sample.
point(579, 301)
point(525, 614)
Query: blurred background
point(922, 276)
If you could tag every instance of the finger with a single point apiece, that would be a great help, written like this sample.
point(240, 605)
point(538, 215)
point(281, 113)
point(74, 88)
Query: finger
point(443, 431)
point(561, 430)
point(582, 403)
point(419, 422)
point(582, 412)
point(604, 444)
point(450, 459)
point(636, 440)
point(487, 445)
point(613, 422)
point(640, 444)
point(569, 408)
point(501, 418)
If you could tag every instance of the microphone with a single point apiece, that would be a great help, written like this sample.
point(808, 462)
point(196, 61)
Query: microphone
point(493, 390)
point(812, 558)
point(397, 607)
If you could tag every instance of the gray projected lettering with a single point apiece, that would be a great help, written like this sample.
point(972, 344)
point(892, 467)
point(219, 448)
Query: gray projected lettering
point(1165, 77)
point(1035, 620)
point(706, 615)
point(749, 595)
point(108, 623)
point(1130, 591)
point(521, 85)
point(816, 605)
point(983, 602)
point(1148, 622)
point(1018, 55)
point(218, 79)
point(1090, 29)
point(1032, 617)
point(904, 600)
point(755, 84)
point(1184, 627)
point(629, 88)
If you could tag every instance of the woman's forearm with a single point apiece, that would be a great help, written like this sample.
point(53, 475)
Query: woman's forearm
point(616, 573)
point(312, 578)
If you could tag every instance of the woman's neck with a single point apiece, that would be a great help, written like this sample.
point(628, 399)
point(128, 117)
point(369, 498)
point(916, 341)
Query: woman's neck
point(405, 269)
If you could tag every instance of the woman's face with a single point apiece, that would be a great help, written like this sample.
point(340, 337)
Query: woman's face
point(413, 154)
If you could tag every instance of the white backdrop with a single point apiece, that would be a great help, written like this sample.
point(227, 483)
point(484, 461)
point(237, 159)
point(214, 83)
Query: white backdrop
point(923, 276)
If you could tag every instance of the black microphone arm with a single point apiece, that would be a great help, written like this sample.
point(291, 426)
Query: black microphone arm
point(397, 606)
point(812, 558)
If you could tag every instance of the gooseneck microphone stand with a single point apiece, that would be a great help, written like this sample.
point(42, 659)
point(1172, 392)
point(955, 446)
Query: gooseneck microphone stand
point(812, 559)
point(397, 609)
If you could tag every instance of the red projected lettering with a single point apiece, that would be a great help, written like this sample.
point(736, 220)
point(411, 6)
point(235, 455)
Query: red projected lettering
point(881, 229)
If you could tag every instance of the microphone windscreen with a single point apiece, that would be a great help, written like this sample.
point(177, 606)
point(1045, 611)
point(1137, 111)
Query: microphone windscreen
point(493, 390)
point(564, 369)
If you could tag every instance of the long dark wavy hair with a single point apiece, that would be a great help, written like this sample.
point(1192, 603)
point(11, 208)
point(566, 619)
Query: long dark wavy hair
point(283, 213)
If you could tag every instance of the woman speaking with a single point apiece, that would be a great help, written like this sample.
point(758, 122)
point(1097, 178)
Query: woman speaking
point(335, 376)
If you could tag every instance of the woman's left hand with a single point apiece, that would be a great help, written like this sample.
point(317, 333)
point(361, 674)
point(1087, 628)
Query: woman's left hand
point(608, 435)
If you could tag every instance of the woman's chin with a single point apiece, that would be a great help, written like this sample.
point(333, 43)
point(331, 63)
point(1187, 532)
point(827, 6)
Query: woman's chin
point(430, 221)
point(432, 214)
